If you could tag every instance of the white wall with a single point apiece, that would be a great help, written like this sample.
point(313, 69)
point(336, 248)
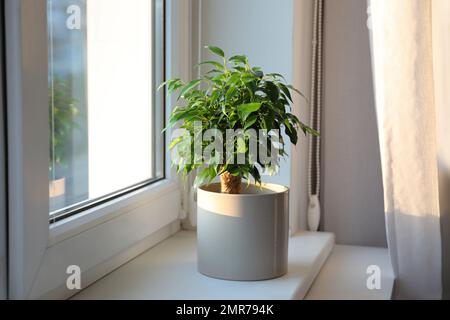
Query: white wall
point(352, 191)
point(441, 48)
point(260, 29)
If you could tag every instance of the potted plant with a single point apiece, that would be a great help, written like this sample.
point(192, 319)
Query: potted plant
point(231, 126)
point(63, 110)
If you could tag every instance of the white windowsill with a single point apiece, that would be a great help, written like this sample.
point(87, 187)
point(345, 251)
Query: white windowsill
point(169, 271)
point(100, 214)
point(344, 276)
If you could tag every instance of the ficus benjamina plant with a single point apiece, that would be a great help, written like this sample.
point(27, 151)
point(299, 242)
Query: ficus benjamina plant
point(233, 95)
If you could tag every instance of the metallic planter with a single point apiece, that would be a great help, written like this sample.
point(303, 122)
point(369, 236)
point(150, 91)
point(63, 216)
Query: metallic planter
point(243, 237)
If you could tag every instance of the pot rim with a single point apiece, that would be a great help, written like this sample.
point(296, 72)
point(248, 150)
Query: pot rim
point(275, 189)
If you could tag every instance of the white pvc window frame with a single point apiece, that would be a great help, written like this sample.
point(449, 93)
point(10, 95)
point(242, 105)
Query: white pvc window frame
point(156, 123)
point(3, 218)
point(104, 237)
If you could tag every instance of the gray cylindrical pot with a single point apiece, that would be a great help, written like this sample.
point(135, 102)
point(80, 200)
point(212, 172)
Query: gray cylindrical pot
point(243, 237)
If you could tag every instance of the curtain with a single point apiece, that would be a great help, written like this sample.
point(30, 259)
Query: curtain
point(404, 89)
point(441, 63)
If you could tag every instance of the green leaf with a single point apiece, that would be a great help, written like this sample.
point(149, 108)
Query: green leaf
point(174, 86)
point(182, 114)
point(175, 142)
point(238, 68)
point(257, 73)
point(212, 72)
point(297, 91)
point(171, 84)
point(291, 132)
point(234, 170)
point(216, 50)
point(250, 121)
point(272, 91)
point(256, 175)
point(218, 79)
point(309, 130)
point(239, 59)
point(205, 175)
point(241, 147)
point(286, 91)
point(213, 63)
point(233, 121)
point(191, 85)
point(215, 96)
point(269, 120)
point(276, 75)
point(231, 93)
point(245, 110)
point(235, 77)
point(163, 84)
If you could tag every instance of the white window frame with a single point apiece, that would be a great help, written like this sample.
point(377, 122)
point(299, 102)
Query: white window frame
point(3, 219)
point(102, 238)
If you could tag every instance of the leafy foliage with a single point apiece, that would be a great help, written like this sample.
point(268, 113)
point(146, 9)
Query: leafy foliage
point(63, 110)
point(233, 95)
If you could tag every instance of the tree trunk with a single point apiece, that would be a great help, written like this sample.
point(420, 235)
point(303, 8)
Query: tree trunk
point(230, 184)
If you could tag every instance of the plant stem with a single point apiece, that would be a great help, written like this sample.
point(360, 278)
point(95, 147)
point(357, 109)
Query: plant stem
point(230, 184)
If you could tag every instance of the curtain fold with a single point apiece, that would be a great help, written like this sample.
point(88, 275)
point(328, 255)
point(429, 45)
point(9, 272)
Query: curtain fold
point(404, 89)
point(441, 63)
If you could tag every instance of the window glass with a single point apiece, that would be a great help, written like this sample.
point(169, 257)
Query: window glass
point(105, 61)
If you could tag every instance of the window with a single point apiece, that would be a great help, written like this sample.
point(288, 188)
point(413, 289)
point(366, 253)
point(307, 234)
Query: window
point(105, 60)
point(129, 216)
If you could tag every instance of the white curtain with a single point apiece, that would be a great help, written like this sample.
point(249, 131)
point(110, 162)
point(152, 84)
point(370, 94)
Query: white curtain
point(404, 85)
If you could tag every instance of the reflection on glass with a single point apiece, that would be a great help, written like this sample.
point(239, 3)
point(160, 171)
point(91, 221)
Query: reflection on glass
point(103, 126)
point(68, 168)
